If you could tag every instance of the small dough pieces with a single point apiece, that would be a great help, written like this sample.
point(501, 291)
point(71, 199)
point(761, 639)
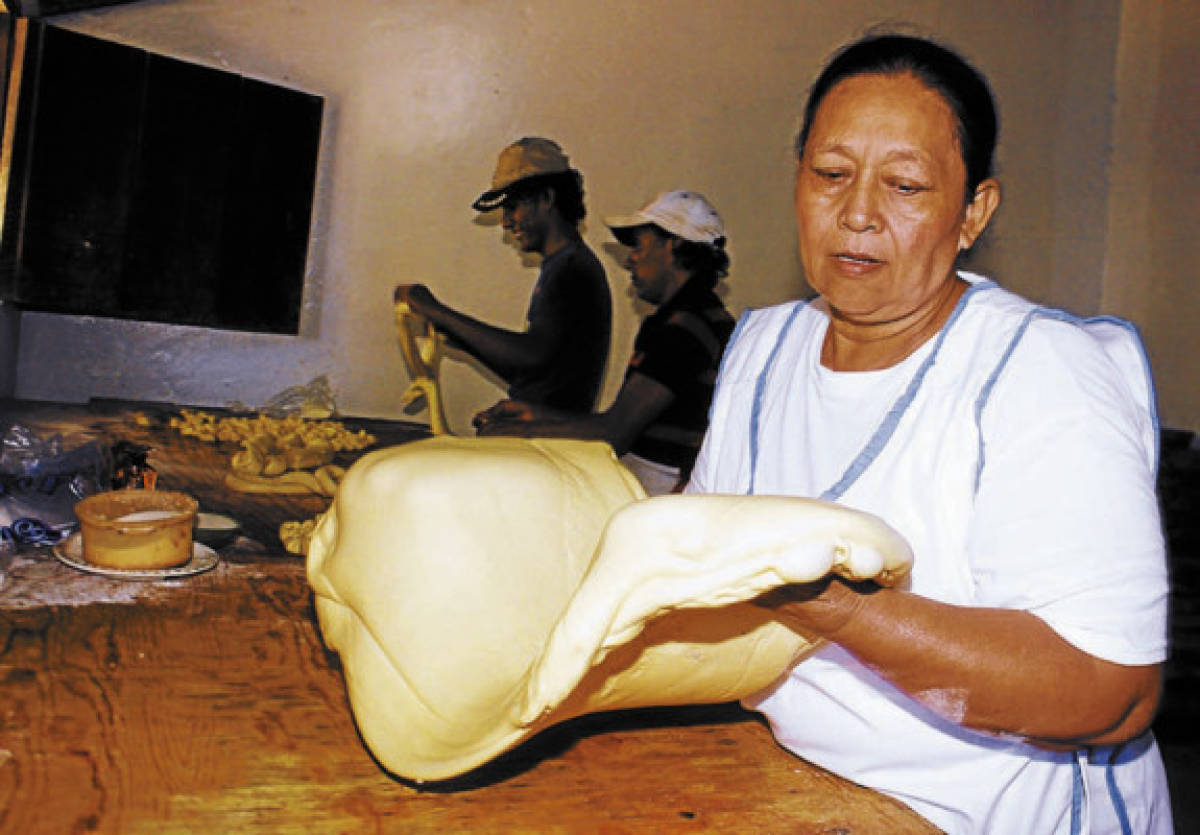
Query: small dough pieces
point(479, 590)
point(286, 432)
point(323, 481)
point(295, 535)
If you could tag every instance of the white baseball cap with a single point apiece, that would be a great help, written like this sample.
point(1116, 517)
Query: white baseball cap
point(685, 214)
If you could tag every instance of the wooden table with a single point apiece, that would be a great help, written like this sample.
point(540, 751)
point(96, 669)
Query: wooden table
point(209, 704)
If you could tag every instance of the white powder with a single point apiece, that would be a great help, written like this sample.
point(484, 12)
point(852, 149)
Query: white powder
point(949, 702)
point(148, 515)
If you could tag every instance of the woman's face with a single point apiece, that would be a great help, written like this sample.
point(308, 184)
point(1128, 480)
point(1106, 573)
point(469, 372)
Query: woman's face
point(880, 206)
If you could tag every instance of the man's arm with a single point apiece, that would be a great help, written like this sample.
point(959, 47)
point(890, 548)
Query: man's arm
point(640, 400)
point(505, 352)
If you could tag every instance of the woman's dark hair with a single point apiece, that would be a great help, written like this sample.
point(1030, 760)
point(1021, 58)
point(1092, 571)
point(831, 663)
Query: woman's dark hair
point(568, 193)
point(962, 87)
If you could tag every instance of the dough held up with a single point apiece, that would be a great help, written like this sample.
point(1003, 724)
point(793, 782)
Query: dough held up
point(480, 590)
point(420, 347)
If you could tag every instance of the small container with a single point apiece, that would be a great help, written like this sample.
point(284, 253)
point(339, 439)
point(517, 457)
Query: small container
point(137, 529)
point(214, 529)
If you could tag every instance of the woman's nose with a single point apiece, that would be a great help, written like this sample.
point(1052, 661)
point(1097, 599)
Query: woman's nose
point(860, 209)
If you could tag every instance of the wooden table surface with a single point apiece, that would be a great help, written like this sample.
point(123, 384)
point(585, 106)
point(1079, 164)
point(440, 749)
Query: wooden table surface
point(209, 704)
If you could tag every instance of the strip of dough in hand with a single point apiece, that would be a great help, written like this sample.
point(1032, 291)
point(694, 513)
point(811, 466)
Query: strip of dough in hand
point(482, 589)
point(421, 349)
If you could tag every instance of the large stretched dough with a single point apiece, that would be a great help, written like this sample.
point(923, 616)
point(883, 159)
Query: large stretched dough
point(482, 589)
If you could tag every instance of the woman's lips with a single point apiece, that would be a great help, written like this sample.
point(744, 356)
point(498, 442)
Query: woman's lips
point(857, 256)
point(855, 263)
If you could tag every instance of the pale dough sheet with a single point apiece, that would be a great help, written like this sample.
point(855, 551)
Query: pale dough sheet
point(482, 589)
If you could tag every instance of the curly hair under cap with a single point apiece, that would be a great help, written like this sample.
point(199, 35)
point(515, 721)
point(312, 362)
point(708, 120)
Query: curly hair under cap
point(708, 263)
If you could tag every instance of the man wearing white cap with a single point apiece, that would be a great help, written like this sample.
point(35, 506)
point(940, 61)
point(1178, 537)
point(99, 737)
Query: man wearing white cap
point(559, 359)
point(657, 421)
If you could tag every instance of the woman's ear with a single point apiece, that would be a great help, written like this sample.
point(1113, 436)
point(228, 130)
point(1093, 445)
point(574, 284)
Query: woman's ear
point(979, 211)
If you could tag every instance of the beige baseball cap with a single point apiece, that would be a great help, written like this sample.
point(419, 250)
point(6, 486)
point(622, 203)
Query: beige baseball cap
point(685, 214)
point(530, 156)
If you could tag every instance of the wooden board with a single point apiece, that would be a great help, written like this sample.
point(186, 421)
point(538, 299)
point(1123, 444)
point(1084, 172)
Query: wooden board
point(209, 704)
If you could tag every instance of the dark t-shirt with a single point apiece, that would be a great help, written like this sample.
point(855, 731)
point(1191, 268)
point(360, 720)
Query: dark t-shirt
point(680, 347)
point(572, 293)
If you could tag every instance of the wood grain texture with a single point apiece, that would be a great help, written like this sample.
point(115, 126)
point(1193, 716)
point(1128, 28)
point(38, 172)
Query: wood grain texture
point(209, 704)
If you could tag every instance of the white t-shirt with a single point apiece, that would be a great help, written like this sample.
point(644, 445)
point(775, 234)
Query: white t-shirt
point(1018, 459)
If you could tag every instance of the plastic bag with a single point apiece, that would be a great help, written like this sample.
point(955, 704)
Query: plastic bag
point(40, 485)
point(312, 400)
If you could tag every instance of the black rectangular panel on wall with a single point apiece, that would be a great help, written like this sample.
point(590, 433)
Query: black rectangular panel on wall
point(271, 178)
point(145, 187)
point(74, 204)
point(181, 189)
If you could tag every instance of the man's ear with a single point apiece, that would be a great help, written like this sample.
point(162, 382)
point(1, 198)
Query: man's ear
point(979, 212)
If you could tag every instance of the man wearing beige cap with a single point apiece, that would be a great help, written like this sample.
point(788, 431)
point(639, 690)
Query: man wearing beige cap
point(657, 421)
point(559, 359)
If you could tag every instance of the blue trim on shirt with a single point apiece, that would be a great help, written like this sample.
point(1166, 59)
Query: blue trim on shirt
point(760, 386)
point(1114, 793)
point(891, 420)
point(1063, 316)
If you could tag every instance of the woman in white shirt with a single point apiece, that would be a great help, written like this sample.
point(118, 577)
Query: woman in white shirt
point(1011, 686)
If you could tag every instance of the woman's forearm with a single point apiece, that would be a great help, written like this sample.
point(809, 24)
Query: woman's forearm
point(1000, 671)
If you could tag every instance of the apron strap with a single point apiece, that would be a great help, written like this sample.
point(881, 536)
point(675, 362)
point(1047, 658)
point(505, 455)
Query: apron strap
point(1079, 793)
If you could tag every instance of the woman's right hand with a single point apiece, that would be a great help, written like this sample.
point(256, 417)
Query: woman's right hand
point(504, 412)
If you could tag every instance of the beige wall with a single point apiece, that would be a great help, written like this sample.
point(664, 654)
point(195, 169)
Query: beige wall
point(1152, 263)
point(645, 95)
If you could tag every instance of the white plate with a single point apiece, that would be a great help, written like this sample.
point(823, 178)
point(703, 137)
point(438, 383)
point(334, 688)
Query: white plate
point(70, 552)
